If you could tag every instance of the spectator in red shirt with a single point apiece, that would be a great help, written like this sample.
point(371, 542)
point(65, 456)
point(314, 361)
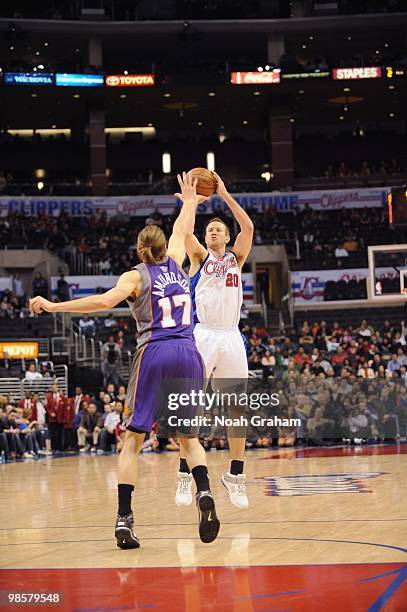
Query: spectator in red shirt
point(55, 403)
point(338, 359)
point(300, 358)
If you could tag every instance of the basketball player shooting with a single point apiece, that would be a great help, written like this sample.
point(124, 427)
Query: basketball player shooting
point(217, 295)
point(166, 350)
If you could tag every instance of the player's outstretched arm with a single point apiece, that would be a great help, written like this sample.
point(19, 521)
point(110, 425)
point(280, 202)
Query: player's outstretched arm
point(128, 283)
point(244, 239)
point(185, 222)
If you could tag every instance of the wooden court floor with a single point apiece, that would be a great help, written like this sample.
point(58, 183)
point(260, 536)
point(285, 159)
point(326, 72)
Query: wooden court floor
point(326, 530)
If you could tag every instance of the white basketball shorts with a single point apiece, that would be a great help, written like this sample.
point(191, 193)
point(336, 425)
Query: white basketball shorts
point(222, 351)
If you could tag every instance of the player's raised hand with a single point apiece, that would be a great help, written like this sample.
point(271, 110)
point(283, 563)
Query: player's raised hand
point(188, 189)
point(39, 304)
point(220, 185)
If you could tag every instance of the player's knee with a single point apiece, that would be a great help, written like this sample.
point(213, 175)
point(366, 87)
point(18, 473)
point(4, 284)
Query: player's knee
point(189, 444)
point(133, 442)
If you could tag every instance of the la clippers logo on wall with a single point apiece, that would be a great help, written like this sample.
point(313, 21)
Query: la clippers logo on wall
point(318, 484)
point(311, 288)
point(219, 268)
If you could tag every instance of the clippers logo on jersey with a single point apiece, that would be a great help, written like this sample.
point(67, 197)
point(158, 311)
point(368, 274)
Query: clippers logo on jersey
point(219, 268)
point(217, 292)
point(169, 278)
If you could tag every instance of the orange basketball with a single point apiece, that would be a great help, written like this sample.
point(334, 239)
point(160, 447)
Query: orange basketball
point(206, 185)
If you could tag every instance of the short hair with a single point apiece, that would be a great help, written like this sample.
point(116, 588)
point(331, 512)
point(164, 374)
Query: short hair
point(218, 220)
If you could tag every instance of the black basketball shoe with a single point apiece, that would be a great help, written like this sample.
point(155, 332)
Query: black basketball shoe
point(208, 521)
point(124, 532)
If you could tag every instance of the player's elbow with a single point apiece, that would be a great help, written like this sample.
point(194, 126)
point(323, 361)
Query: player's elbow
point(249, 227)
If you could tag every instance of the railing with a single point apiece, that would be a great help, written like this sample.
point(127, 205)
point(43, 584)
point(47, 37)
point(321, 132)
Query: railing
point(255, 373)
point(78, 347)
point(11, 387)
point(125, 365)
point(265, 312)
point(281, 324)
point(59, 323)
point(60, 346)
point(15, 388)
point(82, 265)
point(245, 185)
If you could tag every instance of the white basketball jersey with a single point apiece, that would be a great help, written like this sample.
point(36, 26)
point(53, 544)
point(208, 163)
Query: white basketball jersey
point(217, 292)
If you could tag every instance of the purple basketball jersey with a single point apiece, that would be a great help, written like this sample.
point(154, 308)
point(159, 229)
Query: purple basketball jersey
point(163, 310)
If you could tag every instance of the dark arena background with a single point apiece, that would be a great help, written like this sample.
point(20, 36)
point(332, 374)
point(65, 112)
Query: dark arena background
point(301, 109)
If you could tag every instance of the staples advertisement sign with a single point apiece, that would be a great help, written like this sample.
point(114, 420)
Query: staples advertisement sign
point(130, 80)
point(256, 78)
point(369, 72)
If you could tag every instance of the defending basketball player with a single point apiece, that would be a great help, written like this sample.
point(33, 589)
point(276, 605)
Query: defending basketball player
point(217, 294)
point(165, 350)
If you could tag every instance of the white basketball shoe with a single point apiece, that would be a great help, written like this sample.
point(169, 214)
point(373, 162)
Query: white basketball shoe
point(237, 489)
point(183, 496)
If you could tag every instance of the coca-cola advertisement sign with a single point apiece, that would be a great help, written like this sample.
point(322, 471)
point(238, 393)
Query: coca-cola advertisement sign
point(270, 77)
point(130, 80)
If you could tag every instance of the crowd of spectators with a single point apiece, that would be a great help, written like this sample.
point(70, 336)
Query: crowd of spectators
point(366, 169)
point(107, 245)
point(342, 384)
point(13, 304)
point(54, 423)
point(327, 239)
point(340, 373)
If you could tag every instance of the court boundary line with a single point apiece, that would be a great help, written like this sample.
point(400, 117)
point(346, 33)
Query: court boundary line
point(398, 548)
point(395, 520)
point(126, 567)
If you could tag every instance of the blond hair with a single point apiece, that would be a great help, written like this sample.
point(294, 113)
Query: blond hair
point(151, 245)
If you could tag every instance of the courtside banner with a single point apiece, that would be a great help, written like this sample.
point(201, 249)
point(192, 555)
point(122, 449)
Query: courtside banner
point(270, 77)
point(132, 206)
point(82, 286)
point(308, 285)
point(130, 80)
point(367, 72)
